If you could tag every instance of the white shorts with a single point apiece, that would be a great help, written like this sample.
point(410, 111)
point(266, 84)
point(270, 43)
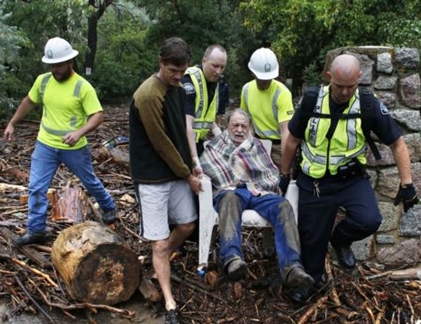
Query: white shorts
point(163, 204)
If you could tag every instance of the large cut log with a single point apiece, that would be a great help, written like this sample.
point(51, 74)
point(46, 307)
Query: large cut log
point(96, 265)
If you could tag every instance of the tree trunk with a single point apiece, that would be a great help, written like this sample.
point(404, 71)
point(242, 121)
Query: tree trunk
point(93, 33)
point(96, 265)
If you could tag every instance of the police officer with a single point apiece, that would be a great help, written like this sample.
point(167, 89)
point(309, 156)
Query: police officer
point(332, 171)
point(202, 88)
point(268, 101)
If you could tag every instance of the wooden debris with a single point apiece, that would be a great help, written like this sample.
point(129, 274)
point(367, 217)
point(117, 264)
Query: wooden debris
point(29, 251)
point(6, 187)
point(70, 205)
point(33, 300)
point(311, 310)
point(37, 272)
point(36, 257)
point(333, 294)
point(148, 290)
point(398, 275)
point(23, 199)
point(237, 290)
point(20, 174)
point(96, 265)
point(211, 278)
point(115, 154)
point(407, 274)
point(369, 295)
point(196, 287)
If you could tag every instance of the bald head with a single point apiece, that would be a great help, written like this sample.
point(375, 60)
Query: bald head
point(344, 74)
point(345, 65)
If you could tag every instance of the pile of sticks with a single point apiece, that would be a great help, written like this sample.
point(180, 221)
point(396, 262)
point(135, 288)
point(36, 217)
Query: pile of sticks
point(28, 280)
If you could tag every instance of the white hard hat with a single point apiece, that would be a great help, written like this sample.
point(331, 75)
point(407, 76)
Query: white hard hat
point(263, 64)
point(58, 50)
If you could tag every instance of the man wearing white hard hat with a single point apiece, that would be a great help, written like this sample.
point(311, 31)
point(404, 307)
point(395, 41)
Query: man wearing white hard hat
point(268, 101)
point(71, 109)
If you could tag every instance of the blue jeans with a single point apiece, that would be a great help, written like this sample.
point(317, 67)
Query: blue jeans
point(276, 209)
point(45, 161)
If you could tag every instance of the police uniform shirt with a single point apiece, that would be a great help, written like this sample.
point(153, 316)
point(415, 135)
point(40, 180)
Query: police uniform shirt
point(191, 93)
point(383, 124)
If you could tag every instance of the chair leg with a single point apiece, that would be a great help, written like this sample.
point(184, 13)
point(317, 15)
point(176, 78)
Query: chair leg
point(205, 238)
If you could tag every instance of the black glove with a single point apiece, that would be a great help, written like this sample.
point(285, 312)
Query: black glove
point(407, 195)
point(284, 182)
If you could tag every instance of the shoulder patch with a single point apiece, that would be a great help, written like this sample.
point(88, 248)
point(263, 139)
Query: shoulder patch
point(189, 88)
point(384, 109)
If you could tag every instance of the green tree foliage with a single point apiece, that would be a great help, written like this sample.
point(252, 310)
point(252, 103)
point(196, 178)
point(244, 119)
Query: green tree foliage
point(200, 24)
point(11, 41)
point(401, 27)
point(302, 31)
point(47, 19)
point(129, 33)
point(123, 60)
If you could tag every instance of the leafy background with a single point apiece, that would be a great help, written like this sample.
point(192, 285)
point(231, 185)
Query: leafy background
point(119, 40)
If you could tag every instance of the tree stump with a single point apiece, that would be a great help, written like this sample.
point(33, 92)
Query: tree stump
point(69, 205)
point(96, 265)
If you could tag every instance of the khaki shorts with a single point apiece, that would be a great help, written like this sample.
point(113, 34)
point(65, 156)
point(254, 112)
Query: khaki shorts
point(276, 155)
point(163, 204)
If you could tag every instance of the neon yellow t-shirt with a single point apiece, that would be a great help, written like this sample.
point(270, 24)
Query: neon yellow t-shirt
point(268, 108)
point(65, 109)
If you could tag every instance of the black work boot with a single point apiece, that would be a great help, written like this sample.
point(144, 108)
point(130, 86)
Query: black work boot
point(342, 247)
point(30, 238)
point(109, 216)
point(345, 256)
point(172, 317)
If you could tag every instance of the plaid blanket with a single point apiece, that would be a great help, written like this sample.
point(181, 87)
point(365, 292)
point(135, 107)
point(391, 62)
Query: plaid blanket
point(230, 166)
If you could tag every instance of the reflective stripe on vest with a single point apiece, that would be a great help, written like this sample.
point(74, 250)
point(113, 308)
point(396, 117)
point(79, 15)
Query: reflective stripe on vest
point(260, 132)
point(320, 154)
point(204, 125)
point(73, 119)
point(200, 95)
point(205, 112)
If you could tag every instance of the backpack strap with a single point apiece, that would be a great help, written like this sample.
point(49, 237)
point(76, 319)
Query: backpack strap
point(367, 114)
point(308, 101)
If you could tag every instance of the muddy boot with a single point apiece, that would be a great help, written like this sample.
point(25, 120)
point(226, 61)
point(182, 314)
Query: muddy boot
point(236, 270)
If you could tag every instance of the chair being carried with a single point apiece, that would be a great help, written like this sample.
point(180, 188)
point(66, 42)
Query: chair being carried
point(208, 217)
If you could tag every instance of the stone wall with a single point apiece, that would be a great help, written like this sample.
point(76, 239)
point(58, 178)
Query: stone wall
point(393, 75)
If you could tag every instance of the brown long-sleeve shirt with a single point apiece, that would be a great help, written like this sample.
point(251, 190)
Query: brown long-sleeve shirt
point(159, 149)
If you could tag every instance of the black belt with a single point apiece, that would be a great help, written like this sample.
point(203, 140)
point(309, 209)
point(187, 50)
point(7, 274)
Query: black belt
point(274, 141)
point(341, 177)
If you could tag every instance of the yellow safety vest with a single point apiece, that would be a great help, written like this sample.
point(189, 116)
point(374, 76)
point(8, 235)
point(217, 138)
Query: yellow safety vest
point(348, 141)
point(76, 93)
point(267, 107)
point(205, 112)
